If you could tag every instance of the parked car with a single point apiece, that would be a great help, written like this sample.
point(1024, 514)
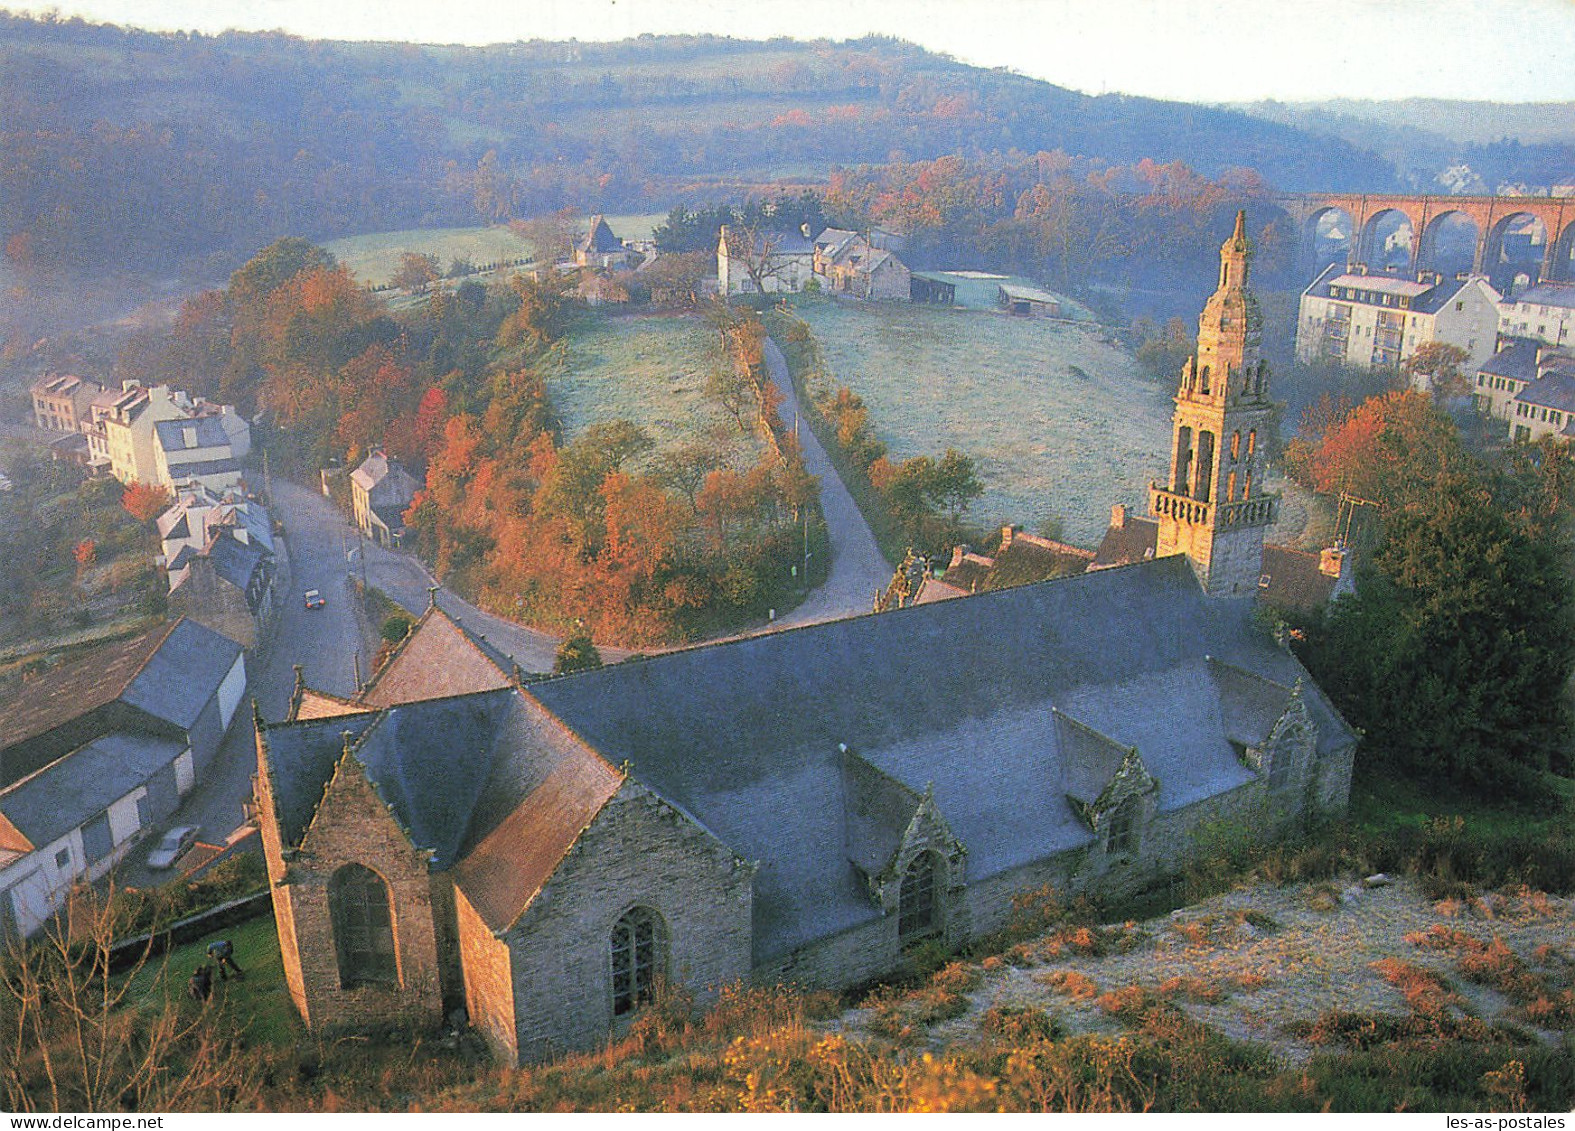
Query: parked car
point(174, 844)
point(314, 599)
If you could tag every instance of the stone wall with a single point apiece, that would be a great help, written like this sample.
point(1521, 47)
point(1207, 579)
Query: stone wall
point(353, 826)
point(639, 851)
point(489, 987)
point(283, 904)
point(214, 603)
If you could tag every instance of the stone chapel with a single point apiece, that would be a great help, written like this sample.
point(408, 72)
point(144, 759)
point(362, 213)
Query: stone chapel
point(801, 806)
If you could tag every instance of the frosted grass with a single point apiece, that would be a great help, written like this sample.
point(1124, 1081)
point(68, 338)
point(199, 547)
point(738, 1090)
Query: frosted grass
point(1060, 422)
point(650, 370)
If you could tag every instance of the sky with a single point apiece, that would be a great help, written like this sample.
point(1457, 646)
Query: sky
point(1190, 50)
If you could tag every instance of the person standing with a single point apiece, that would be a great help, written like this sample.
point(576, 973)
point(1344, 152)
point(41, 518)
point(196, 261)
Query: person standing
point(222, 951)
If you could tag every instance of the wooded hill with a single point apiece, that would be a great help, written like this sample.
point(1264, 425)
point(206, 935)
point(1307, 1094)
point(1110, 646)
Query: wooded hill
point(123, 148)
point(1530, 143)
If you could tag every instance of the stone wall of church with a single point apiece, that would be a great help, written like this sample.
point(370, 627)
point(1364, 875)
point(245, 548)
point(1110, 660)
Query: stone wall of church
point(283, 905)
point(489, 987)
point(638, 852)
point(353, 826)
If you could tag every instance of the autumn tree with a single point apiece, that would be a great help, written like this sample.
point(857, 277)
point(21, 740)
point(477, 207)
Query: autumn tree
point(145, 501)
point(1386, 449)
point(1437, 368)
point(416, 272)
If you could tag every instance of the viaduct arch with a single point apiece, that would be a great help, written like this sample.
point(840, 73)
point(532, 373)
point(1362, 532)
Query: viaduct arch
point(1493, 216)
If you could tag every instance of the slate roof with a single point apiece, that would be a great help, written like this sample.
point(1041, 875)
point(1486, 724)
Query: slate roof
point(1549, 294)
point(178, 679)
point(209, 432)
point(600, 237)
point(437, 658)
point(235, 561)
point(506, 869)
point(1425, 298)
point(1135, 540)
point(74, 789)
point(1517, 360)
point(781, 243)
point(73, 688)
point(745, 736)
point(876, 812)
point(1556, 390)
point(299, 759)
point(1092, 759)
point(430, 760)
point(1296, 580)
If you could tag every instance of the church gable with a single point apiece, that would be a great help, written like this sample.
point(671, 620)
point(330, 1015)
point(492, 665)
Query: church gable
point(437, 659)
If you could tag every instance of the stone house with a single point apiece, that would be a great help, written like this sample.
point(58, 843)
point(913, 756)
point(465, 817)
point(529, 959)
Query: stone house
point(98, 751)
point(850, 264)
point(1543, 313)
point(220, 559)
point(160, 435)
point(381, 490)
point(601, 248)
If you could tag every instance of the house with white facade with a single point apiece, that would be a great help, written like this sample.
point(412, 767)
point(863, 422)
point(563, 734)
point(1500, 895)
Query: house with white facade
point(1544, 313)
point(184, 449)
point(756, 262)
point(1379, 321)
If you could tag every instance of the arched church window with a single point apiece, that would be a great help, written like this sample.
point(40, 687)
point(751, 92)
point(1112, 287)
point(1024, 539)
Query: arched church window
point(639, 944)
point(363, 923)
point(1230, 488)
point(1252, 442)
point(918, 903)
point(1235, 446)
point(1121, 834)
point(1205, 378)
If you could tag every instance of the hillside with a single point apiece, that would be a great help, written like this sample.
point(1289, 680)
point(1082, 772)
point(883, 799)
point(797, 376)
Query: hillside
point(121, 147)
point(1530, 144)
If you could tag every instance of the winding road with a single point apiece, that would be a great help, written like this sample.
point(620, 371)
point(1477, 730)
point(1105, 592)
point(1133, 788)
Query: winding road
point(323, 552)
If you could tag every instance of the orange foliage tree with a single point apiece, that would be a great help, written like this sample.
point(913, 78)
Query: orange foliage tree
point(145, 501)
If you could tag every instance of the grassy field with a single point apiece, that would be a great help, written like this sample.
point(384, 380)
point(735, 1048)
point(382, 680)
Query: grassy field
point(260, 1003)
point(374, 257)
point(1061, 422)
point(649, 370)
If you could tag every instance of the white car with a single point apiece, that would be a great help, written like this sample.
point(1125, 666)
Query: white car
point(175, 842)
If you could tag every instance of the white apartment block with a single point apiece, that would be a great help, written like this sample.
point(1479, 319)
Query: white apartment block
point(1378, 321)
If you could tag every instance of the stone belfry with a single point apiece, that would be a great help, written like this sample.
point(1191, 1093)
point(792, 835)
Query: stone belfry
point(1213, 508)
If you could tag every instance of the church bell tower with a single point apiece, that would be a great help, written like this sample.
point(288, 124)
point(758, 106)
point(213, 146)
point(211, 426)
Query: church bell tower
point(1213, 508)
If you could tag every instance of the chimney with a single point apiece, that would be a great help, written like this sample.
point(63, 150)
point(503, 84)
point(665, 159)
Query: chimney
point(1331, 563)
point(957, 556)
point(1118, 516)
point(1007, 532)
point(805, 229)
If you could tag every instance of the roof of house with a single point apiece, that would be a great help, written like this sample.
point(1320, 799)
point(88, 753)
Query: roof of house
point(179, 678)
point(1556, 390)
point(876, 811)
point(205, 431)
point(600, 237)
point(1295, 579)
point(69, 791)
point(970, 572)
point(76, 686)
point(745, 736)
point(780, 243)
point(235, 561)
point(1135, 540)
point(1549, 294)
point(1517, 360)
point(1425, 298)
point(1029, 558)
point(1016, 293)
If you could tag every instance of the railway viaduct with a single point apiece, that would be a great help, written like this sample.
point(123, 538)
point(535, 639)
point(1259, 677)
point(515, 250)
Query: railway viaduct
point(1492, 215)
